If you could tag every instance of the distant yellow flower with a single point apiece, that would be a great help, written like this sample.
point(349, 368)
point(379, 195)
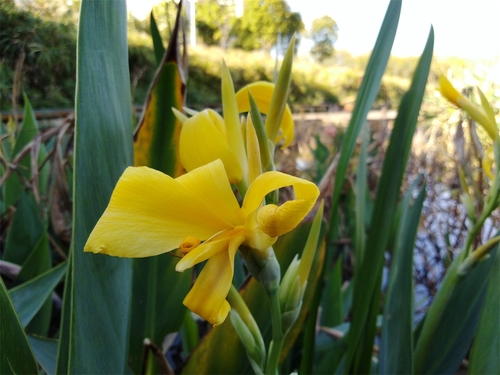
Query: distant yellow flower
point(262, 92)
point(151, 213)
point(482, 115)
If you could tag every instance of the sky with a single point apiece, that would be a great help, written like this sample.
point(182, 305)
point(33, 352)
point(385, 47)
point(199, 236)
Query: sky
point(462, 28)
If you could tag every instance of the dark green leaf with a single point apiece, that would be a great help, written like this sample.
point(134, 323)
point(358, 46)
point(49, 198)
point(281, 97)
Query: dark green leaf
point(446, 335)
point(25, 230)
point(485, 352)
point(100, 286)
point(157, 41)
point(29, 297)
point(396, 354)
point(368, 274)
point(45, 352)
point(16, 356)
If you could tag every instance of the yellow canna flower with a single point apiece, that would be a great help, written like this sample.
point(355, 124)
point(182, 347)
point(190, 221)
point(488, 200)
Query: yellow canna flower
point(482, 115)
point(151, 213)
point(262, 93)
point(203, 139)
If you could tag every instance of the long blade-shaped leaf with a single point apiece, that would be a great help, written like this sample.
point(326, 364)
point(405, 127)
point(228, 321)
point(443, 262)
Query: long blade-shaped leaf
point(16, 356)
point(485, 352)
point(397, 332)
point(366, 95)
point(368, 274)
point(446, 335)
point(100, 286)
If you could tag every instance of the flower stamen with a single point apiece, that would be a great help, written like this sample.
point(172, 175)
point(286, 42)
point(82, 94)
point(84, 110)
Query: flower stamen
point(189, 243)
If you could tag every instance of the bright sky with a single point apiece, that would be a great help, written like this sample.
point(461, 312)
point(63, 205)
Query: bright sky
point(462, 28)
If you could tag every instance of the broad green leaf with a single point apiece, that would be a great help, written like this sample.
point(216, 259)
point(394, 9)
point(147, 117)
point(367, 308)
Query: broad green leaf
point(25, 230)
point(29, 297)
point(158, 291)
point(397, 330)
point(366, 95)
point(223, 340)
point(156, 138)
point(29, 131)
point(485, 353)
point(100, 286)
point(368, 274)
point(62, 366)
point(157, 40)
point(452, 318)
point(16, 356)
point(45, 353)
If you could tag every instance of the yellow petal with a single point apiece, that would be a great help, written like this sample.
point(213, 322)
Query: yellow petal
point(151, 213)
point(201, 142)
point(232, 119)
point(274, 220)
point(211, 191)
point(448, 91)
point(211, 247)
point(207, 298)
point(262, 93)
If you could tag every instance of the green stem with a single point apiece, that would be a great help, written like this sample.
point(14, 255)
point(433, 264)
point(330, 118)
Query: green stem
point(277, 341)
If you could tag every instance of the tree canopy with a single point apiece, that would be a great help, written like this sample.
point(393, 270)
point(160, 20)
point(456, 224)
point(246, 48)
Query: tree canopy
point(324, 33)
point(258, 28)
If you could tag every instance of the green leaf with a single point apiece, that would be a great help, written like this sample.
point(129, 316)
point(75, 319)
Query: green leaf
point(29, 131)
point(16, 356)
point(25, 230)
point(206, 358)
point(157, 40)
point(29, 297)
point(39, 261)
point(368, 274)
point(45, 352)
point(485, 353)
point(396, 354)
point(366, 95)
point(156, 140)
point(446, 335)
point(96, 326)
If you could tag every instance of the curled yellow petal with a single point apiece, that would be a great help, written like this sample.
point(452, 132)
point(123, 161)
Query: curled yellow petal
point(262, 93)
point(277, 220)
point(203, 140)
point(189, 243)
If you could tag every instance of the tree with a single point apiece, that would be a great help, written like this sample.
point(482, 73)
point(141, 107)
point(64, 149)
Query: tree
point(261, 23)
point(324, 33)
point(214, 20)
